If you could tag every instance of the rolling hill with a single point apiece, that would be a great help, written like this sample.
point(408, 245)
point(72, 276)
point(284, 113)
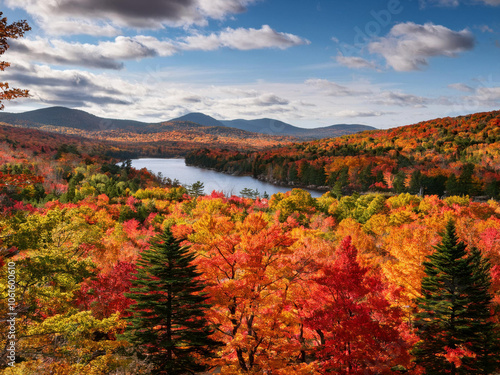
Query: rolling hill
point(276, 127)
point(271, 126)
point(442, 156)
point(61, 117)
point(131, 139)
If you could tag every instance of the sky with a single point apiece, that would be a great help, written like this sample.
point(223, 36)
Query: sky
point(308, 63)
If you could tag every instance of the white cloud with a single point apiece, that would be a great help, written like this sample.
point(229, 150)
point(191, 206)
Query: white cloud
point(486, 29)
point(72, 88)
point(166, 93)
point(391, 98)
point(108, 54)
point(461, 87)
point(354, 62)
point(488, 95)
point(104, 55)
point(105, 17)
point(243, 39)
point(334, 89)
point(409, 46)
point(353, 113)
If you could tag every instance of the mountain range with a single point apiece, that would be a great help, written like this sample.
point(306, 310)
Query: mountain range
point(77, 119)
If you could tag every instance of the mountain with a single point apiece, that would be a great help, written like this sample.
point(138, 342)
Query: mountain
point(67, 118)
point(202, 119)
point(131, 139)
point(276, 127)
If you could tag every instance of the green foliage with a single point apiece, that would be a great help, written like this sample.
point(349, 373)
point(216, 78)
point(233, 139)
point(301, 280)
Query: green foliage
point(453, 314)
point(196, 189)
point(59, 228)
point(403, 200)
point(360, 208)
point(461, 201)
point(168, 321)
point(250, 193)
point(298, 202)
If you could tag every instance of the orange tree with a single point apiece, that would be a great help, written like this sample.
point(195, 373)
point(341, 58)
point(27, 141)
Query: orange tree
point(10, 31)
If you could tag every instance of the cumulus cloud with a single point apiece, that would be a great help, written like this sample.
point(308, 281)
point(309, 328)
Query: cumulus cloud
point(391, 98)
point(89, 16)
point(461, 87)
point(114, 96)
point(268, 100)
point(243, 39)
point(334, 89)
point(486, 29)
point(71, 88)
point(408, 46)
point(354, 62)
point(104, 55)
point(353, 113)
point(488, 95)
point(108, 54)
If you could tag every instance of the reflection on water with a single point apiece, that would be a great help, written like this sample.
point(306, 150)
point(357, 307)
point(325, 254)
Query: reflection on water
point(229, 185)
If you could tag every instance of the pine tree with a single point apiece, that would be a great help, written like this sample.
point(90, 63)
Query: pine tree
point(453, 314)
point(168, 322)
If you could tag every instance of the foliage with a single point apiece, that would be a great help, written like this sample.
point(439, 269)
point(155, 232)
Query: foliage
point(452, 156)
point(453, 318)
point(10, 31)
point(276, 270)
point(167, 319)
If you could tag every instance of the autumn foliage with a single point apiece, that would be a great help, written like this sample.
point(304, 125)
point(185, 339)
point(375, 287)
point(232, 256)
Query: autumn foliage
point(296, 285)
point(453, 156)
point(10, 31)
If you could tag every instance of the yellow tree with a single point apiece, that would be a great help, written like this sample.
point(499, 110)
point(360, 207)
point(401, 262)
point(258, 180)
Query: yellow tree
point(408, 247)
point(10, 31)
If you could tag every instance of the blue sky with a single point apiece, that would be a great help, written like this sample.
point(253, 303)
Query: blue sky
point(308, 63)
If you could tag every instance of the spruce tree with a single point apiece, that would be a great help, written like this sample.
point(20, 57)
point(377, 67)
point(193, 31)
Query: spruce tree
point(168, 323)
point(453, 314)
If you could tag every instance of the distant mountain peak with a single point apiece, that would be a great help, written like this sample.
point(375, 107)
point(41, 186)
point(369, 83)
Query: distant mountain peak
point(78, 119)
point(199, 118)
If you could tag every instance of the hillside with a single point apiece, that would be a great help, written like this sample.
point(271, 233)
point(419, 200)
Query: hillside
point(275, 127)
point(130, 139)
point(199, 118)
point(66, 120)
point(74, 226)
point(453, 155)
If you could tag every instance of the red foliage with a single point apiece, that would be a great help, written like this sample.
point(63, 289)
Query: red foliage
point(359, 330)
point(105, 294)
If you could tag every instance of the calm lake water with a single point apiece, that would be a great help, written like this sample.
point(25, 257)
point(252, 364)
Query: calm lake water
point(229, 185)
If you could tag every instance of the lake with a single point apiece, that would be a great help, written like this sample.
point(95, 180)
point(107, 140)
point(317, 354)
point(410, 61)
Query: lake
point(229, 185)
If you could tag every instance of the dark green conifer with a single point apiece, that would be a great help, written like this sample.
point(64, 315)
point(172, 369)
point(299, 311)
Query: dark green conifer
point(168, 323)
point(454, 311)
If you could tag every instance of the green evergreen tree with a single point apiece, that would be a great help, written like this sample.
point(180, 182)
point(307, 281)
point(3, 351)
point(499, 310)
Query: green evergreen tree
point(452, 186)
point(416, 183)
point(465, 183)
point(454, 311)
point(399, 182)
point(168, 323)
point(196, 189)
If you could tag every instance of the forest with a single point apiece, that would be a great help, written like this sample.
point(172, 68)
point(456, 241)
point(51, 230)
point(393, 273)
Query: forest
point(292, 284)
point(106, 269)
point(447, 156)
point(166, 140)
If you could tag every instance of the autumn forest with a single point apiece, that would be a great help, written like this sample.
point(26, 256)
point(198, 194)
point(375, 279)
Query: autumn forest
point(395, 269)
